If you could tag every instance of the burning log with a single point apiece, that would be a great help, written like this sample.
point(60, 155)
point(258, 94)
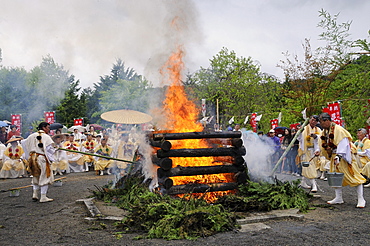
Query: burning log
point(165, 164)
point(236, 142)
point(202, 152)
point(241, 177)
point(167, 183)
point(164, 145)
point(201, 188)
point(238, 161)
point(192, 171)
point(195, 135)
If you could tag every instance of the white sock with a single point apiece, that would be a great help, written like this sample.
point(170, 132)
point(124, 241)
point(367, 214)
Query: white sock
point(44, 189)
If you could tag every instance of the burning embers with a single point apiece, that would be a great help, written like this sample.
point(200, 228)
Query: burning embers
point(205, 172)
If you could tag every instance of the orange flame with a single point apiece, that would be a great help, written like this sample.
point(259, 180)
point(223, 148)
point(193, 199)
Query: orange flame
point(182, 115)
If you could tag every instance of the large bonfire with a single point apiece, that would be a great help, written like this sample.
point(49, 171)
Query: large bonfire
point(182, 116)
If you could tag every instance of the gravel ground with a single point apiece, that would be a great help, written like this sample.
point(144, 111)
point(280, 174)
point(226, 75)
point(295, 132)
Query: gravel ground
point(62, 222)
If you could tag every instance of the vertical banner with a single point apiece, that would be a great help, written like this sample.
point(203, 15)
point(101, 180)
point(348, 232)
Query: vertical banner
point(204, 107)
point(274, 123)
point(254, 122)
point(17, 121)
point(334, 111)
point(78, 122)
point(49, 117)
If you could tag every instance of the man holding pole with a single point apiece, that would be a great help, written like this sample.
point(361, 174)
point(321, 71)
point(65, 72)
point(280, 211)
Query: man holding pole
point(308, 152)
point(40, 147)
point(336, 145)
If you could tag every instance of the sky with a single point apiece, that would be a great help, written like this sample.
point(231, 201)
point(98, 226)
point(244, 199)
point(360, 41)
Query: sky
point(86, 37)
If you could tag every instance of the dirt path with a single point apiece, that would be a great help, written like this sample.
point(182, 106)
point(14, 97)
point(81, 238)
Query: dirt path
point(62, 222)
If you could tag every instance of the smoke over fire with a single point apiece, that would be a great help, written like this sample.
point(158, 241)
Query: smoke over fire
point(181, 115)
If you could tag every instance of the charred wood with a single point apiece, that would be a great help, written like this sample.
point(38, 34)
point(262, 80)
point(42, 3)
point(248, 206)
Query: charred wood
point(195, 135)
point(241, 177)
point(192, 171)
point(165, 164)
point(236, 142)
point(238, 160)
point(201, 152)
point(164, 145)
point(201, 188)
point(167, 183)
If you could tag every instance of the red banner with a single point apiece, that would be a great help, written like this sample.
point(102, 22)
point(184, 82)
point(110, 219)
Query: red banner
point(254, 122)
point(274, 123)
point(294, 126)
point(333, 110)
point(78, 122)
point(17, 121)
point(49, 117)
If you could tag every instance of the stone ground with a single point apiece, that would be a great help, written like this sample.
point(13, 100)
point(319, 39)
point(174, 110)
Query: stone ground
point(63, 222)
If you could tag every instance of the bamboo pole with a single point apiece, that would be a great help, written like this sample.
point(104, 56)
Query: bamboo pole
point(22, 187)
point(289, 147)
point(102, 156)
point(217, 114)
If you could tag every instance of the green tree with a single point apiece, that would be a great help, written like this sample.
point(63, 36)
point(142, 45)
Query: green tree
point(238, 85)
point(337, 50)
point(14, 93)
point(94, 98)
point(126, 94)
point(352, 87)
point(73, 105)
point(48, 83)
point(308, 82)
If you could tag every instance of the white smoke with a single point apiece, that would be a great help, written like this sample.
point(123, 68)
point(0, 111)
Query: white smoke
point(88, 36)
point(258, 155)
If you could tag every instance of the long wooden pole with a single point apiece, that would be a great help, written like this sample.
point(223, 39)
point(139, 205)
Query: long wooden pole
point(217, 114)
point(22, 187)
point(102, 156)
point(289, 147)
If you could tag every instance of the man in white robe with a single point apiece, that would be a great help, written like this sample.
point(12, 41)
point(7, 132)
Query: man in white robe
point(40, 147)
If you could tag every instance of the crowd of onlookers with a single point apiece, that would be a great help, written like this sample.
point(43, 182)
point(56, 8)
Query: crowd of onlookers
point(118, 144)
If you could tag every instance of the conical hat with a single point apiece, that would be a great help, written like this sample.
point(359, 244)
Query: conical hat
point(62, 136)
point(126, 116)
point(13, 139)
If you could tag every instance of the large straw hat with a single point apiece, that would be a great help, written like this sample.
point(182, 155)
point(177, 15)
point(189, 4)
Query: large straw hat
point(62, 136)
point(126, 116)
point(13, 139)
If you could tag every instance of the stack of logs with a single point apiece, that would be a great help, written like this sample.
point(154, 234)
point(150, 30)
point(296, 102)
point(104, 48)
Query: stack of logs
point(235, 150)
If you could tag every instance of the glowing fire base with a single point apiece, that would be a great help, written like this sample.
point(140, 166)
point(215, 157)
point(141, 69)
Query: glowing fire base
point(224, 170)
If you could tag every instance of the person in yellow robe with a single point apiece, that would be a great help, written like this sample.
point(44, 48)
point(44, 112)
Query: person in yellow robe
point(101, 163)
point(60, 163)
point(88, 146)
point(336, 145)
point(309, 144)
point(363, 151)
point(75, 160)
point(13, 166)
